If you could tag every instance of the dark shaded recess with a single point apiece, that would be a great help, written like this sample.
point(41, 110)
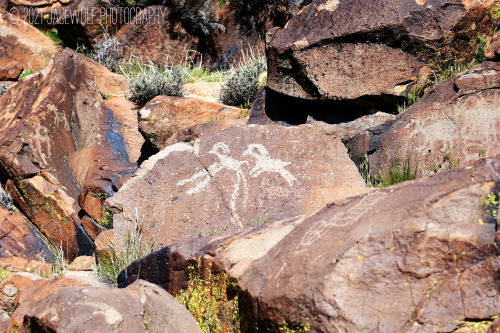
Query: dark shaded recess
point(73, 36)
point(31, 324)
point(293, 110)
point(147, 149)
point(85, 243)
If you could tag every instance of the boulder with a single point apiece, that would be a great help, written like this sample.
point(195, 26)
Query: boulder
point(155, 36)
point(20, 247)
point(231, 179)
point(67, 138)
point(82, 263)
point(164, 116)
point(366, 55)
point(40, 289)
point(22, 47)
point(492, 51)
point(10, 287)
point(455, 124)
point(142, 307)
point(420, 256)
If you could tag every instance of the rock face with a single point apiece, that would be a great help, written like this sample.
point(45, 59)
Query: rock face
point(64, 149)
point(153, 36)
point(142, 307)
point(164, 116)
point(22, 46)
point(492, 52)
point(456, 124)
point(20, 247)
point(415, 257)
point(371, 52)
point(232, 179)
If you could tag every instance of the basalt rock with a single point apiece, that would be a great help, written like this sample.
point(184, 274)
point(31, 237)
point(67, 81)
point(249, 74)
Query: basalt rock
point(231, 179)
point(67, 139)
point(20, 247)
point(364, 56)
point(164, 116)
point(22, 47)
point(142, 307)
point(455, 124)
point(414, 257)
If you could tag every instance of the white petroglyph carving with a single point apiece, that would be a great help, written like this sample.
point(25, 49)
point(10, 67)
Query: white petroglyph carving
point(263, 163)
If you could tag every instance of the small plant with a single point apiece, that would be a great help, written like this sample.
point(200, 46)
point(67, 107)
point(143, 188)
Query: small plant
point(59, 263)
point(108, 267)
point(481, 153)
point(151, 81)
point(399, 170)
point(448, 160)
point(480, 49)
point(6, 199)
point(244, 80)
point(490, 204)
point(52, 33)
point(258, 220)
point(108, 52)
point(411, 98)
point(213, 301)
point(4, 274)
point(3, 89)
point(26, 72)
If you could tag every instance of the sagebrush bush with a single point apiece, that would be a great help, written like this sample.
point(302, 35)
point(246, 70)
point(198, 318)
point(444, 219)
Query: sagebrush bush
point(151, 81)
point(3, 89)
point(108, 52)
point(244, 81)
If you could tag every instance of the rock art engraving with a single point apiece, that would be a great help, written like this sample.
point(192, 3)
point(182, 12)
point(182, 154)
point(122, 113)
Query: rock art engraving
point(342, 220)
point(263, 164)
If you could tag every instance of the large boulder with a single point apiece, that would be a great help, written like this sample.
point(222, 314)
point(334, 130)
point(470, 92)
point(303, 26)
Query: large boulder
point(164, 116)
point(455, 124)
point(22, 47)
point(142, 307)
point(67, 139)
point(366, 55)
point(232, 179)
point(20, 247)
point(420, 256)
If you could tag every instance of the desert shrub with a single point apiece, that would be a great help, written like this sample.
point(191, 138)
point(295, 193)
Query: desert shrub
point(108, 52)
point(5, 199)
point(400, 170)
point(108, 267)
point(150, 81)
point(244, 80)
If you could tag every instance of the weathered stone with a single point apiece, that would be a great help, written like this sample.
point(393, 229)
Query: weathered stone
point(414, 257)
point(82, 263)
point(164, 116)
point(22, 46)
point(226, 180)
point(61, 140)
point(10, 287)
point(203, 90)
point(20, 247)
point(44, 288)
point(456, 124)
point(142, 307)
point(197, 131)
point(154, 36)
point(369, 54)
point(492, 51)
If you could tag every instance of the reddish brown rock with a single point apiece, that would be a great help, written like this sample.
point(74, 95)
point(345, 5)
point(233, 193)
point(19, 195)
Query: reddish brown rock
point(142, 307)
point(11, 286)
point(492, 51)
point(197, 131)
point(44, 288)
point(61, 140)
point(164, 116)
point(456, 124)
point(225, 180)
point(367, 54)
point(20, 247)
point(22, 46)
point(82, 263)
point(414, 257)
point(154, 36)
